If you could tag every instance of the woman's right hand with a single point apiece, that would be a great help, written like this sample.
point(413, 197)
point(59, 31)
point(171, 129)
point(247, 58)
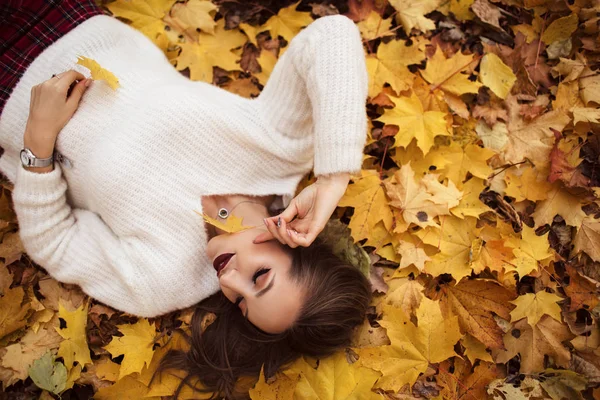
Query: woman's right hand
point(311, 208)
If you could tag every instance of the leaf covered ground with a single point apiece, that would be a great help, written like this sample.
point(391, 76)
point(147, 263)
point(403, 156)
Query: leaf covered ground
point(476, 214)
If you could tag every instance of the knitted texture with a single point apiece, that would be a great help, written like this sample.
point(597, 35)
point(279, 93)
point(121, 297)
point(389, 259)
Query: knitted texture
point(120, 222)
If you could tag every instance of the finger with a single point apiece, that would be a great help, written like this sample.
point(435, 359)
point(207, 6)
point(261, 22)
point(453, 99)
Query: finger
point(77, 92)
point(290, 212)
point(263, 237)
point(67, 78)
point(300, 239)
point(283, 231)
point(272, 227)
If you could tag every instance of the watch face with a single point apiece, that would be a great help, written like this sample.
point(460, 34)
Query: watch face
point(24, 158)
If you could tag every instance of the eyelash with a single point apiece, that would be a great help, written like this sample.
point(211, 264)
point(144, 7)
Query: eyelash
point(258, 273)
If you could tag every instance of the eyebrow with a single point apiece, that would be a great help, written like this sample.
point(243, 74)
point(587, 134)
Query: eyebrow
point(262, 292)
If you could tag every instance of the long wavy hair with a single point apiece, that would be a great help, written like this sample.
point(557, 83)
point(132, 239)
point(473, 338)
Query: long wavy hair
point(231, 348)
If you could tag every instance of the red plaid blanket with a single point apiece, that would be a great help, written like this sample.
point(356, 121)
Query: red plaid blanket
point(29, 26)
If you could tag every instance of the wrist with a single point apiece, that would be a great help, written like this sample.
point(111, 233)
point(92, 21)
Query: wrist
point(40, 148)
point(337, 179)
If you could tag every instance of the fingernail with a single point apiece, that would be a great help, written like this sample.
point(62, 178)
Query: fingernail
point(88, 82)
point(266, 222)
point(289, 233)
point(279, 222)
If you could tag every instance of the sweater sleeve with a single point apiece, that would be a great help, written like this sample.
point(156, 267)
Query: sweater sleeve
point(319, 86)
point(337, 84)
point(76, 246)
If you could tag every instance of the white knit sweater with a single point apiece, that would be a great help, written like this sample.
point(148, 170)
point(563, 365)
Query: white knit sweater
point(120, 222)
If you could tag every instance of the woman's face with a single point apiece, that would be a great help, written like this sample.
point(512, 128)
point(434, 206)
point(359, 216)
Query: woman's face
point(257, 278)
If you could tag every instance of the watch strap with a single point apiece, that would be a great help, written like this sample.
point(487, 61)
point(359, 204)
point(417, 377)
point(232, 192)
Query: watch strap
point(30, 160)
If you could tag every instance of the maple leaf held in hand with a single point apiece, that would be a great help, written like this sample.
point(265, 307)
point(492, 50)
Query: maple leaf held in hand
point(99, 73)
point(233, 224)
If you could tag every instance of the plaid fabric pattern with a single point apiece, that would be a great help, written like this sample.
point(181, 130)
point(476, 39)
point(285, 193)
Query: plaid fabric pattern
point(27, 27)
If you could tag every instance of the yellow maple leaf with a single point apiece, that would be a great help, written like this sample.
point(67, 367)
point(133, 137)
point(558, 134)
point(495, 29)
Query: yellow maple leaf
point(267, 61)
point(412, 254)
point(447, 74)
point(415, 123)
point(470, 205)
point(403, 293)
point(421, 202)
point(531, 140)
point(287, 23)
point(559, 202)
point(475, 350)
point(74, 347)
point(334, 379)
point(390, 65)
point(462, 160)
point(412, 347)
point(127, 388)
point(135, 344)
point(460, 8)
point(496, 75)
point(530, 249)
point(528, 186)
point(145, 15)
point(281, 389)
point(211, 50)
point(12, 312)
point(374, 25)
point(411, 13)
point(99, 73)
point(233, 224)
point(195, 14)
point(454, 239)
point(367, 195)
point(534, 305)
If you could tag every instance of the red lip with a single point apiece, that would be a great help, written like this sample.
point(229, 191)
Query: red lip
point(221, 261)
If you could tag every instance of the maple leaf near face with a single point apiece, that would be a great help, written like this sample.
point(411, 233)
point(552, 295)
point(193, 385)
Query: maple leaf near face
point(412, 348)
point(287, 23)
point(211, 50)
point(136, 344)
point(145, 15)
point(390, 64)
point(74, 347)
point(447, 74)
point(233, 224)
point(534, 305)
point(415, 123)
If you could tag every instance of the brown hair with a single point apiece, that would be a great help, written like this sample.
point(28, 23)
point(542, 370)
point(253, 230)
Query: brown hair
point(337, 296)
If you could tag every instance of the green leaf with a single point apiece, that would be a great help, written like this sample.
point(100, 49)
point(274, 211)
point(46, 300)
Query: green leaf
point(48, 374)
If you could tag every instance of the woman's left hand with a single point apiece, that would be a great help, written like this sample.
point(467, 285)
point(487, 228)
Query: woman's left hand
point(311, 208)
point(51, 107)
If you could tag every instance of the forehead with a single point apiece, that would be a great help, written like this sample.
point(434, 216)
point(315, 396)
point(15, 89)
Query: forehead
point(277, 309)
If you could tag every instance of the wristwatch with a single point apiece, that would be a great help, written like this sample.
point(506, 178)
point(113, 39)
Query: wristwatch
point(28, 159)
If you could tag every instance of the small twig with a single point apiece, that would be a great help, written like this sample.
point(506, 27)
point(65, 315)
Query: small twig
point(509, 166)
